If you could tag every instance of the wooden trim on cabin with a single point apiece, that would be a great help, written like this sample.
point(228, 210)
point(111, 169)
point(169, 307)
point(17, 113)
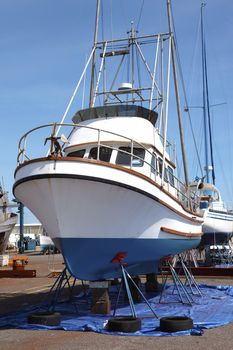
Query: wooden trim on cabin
point(155, 150)
point(118, 167)
point(119, 144)
point(178, 233)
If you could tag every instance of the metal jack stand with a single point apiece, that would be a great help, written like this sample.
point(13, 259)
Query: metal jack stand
point(190, 281)
point(184, 296)
point(125, 276)
point(60, 283)
point(50, 317)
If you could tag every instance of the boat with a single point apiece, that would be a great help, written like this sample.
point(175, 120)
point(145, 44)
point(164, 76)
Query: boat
point(8, 220)
point(218, 220)
point(107, 191)
point(34, 235)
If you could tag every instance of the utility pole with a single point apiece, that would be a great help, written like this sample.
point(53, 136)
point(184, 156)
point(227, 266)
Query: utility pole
point(21, 227)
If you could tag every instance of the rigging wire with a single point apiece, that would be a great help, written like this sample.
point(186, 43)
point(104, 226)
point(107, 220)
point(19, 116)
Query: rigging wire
point(199, 134)
point(140, 15)
point(200, 137)
point(194, 55)
point(102, 19)
point(111, 26)
point(184, 92)
point(84, 86)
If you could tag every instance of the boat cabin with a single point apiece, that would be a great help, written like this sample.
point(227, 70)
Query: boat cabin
point(114, 135)
point(209, 196)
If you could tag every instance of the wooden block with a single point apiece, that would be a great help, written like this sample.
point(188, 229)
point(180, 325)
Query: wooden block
point(152, 284)
point(100, 301)
point(17, 273)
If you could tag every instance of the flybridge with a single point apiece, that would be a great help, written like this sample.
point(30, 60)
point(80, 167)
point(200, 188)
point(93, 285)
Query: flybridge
point(115, 111)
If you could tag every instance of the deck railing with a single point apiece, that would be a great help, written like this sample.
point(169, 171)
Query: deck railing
point(188, 199)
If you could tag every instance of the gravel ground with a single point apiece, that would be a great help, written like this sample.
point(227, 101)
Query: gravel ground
point(17, 293)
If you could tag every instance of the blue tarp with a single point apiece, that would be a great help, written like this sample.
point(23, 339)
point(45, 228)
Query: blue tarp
point(213, 309)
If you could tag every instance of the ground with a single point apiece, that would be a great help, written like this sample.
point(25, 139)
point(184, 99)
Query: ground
point(17, 293)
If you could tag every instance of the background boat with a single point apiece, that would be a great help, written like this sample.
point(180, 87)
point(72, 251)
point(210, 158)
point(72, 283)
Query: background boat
point(7, 220)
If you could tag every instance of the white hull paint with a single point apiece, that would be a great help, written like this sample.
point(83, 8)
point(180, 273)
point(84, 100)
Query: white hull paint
point(112, 205)
point(217, 227)
point(218, 221)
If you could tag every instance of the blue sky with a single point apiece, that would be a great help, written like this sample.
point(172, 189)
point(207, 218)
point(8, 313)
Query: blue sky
point(44, 44)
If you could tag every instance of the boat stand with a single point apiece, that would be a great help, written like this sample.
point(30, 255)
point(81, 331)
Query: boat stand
point(190, 280)
point(63, 280)
point(182, 291)
point(124, 281)
point(189, 256)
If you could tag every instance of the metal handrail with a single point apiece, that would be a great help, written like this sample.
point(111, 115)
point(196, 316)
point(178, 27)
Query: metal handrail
point(54, 125)
point(183, 196)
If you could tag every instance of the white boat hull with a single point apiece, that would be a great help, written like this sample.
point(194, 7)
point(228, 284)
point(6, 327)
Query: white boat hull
point(93, 218)
point(217, 227)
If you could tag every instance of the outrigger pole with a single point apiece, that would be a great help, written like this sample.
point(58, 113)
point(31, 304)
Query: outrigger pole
point(177, 95)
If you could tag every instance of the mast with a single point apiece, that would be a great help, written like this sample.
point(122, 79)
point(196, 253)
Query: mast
point(206, 109)
point(177, 95)
point(94, 54)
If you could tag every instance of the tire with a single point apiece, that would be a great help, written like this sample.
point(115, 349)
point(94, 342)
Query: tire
point(45, 318)
point(175, 323)
point(125, 324)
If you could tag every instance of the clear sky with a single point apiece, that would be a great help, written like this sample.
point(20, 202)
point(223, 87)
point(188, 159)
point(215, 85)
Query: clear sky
point(44, 44)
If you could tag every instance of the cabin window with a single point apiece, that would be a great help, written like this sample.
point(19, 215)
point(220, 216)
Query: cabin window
point(165, 174)
point(154, 164)
point(80, 153)
point(171, 176)
point(105, 154)
point(124, 156)
point(211, 194)
point(160, 161)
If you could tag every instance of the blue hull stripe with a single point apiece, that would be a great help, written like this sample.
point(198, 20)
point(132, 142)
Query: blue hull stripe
point(90, 259)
